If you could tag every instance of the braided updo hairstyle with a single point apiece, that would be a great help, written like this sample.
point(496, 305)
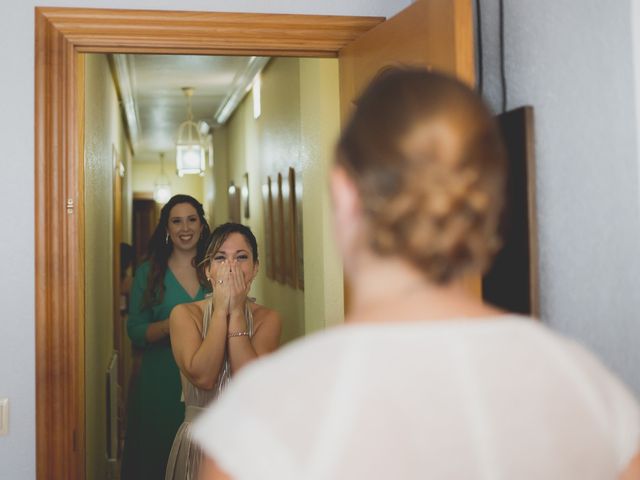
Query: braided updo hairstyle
point(427, 159)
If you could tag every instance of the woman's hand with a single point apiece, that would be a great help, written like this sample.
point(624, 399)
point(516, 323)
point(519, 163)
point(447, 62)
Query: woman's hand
point(221, 290)
point(238, 289)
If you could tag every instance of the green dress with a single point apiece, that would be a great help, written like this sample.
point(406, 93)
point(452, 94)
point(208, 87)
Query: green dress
point(155, 410)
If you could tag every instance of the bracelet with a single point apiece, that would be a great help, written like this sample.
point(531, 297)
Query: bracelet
point(238, 334)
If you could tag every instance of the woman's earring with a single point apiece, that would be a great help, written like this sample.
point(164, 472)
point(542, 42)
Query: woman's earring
point(166, 239)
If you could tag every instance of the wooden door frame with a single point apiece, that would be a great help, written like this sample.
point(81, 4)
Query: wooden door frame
point(61, 36)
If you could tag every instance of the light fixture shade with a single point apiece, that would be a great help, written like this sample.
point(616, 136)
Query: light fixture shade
point(162, 185)
point(189, 159)
point(189, 150)
point(161, 193)
point(190, 147)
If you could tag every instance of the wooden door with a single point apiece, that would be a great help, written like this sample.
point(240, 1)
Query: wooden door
point(435, 34)
point(145, 218)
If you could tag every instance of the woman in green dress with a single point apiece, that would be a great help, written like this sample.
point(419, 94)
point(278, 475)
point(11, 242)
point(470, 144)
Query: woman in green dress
point(169, 277)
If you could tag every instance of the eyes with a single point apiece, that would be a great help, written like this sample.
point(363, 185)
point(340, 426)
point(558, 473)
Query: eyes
point(178, 220)
point(220, 257)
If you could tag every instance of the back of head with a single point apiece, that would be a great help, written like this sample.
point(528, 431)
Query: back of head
point(426, 157)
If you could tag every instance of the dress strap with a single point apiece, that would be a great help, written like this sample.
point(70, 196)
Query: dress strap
point(248, 315)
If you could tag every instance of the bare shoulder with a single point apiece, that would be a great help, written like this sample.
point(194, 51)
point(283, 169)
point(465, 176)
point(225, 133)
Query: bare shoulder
point(265, 316)
point(188, 311)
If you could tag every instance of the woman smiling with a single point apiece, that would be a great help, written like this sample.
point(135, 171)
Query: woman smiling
point(167, 278)
point(213, 338)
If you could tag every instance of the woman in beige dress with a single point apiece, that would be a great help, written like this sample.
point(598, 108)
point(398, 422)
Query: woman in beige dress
point(213, 338)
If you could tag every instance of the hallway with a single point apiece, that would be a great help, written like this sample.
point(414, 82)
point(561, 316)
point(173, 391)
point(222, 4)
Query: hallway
point(265, 168)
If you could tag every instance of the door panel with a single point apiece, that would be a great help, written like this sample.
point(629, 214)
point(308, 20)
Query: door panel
point(430, 33)
point(435, 34)
point(145, 218)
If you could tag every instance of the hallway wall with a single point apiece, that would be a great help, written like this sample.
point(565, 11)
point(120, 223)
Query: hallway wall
point(297, 128)
point(103, 133)
point(144, 175)
point(320, 127)
point(17, 347)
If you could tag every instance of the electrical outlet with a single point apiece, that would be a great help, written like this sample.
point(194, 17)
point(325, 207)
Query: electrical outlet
point(4, 416)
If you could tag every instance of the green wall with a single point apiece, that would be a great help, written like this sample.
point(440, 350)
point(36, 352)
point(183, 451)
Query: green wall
point(297, 128)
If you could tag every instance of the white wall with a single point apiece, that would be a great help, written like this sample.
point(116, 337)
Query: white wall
point(635, 28)
point(572, 60)
point(17, 450)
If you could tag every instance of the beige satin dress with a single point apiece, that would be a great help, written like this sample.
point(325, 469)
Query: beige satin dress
point(185, 457)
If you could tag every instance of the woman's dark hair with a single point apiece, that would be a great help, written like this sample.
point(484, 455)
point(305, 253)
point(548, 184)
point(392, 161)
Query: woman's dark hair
point(220, 235)
point(427, 159)
point(160, 249)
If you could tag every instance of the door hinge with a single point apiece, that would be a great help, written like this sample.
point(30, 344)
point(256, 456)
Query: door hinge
point(70, 205)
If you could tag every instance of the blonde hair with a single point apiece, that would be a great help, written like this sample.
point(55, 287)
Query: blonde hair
point(427, 159)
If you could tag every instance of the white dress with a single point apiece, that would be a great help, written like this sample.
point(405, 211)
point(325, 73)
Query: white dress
point(502, 398)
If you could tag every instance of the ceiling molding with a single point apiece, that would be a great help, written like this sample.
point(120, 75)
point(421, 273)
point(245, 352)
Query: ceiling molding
point(240, 87)
point(124, 78)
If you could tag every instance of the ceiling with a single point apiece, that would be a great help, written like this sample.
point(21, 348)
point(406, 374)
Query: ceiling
point(151, 86)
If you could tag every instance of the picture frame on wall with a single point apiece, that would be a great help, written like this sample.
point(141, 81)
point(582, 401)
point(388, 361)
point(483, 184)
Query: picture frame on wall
point(292, 277)
point(277, 235)
point(285, 231)
point(245, 196)
point(293, 238)
point(234, 203)
point(299, 230)
point(512, 281)
point(269, 229)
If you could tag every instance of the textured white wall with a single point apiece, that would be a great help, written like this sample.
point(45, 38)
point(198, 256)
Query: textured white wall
point(17, 450)
point(635, 27)
point(573, 61)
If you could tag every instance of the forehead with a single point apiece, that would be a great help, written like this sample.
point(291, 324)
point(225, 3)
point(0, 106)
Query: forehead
point(234, 242)
point(182, 210)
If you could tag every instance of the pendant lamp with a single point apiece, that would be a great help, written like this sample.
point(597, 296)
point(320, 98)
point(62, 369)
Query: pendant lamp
point(162, 186)
point(190, 151)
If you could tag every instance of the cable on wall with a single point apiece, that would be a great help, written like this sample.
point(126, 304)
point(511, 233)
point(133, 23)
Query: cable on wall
point(503, 75)
point(479, 44)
